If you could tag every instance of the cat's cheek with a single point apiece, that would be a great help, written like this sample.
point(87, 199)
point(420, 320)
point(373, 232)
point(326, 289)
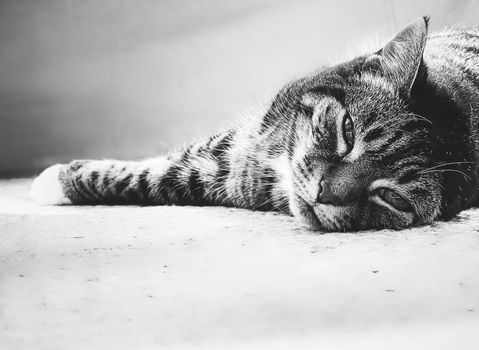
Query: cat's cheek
point(47, 188)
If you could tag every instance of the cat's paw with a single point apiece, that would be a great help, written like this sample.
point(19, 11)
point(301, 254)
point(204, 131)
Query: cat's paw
point(47, 189)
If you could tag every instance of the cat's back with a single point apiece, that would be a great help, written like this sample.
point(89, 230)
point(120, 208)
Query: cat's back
point(452, 61)
point(452, 58)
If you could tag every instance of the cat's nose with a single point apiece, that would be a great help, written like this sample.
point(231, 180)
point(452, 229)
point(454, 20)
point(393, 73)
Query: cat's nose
point(325, 196)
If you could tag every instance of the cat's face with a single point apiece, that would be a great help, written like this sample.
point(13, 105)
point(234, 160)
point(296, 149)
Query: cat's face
point(360, 155)
point(361, 158)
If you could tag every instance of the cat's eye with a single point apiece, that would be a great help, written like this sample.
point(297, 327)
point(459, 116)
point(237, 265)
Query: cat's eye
point(394, 199)
point(348, 131)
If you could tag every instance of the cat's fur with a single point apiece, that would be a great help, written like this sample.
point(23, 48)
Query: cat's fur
point(389, 139)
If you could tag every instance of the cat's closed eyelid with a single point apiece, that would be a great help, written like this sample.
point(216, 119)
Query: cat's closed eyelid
point(408, 215)
point(383, 182)
point(377, 185)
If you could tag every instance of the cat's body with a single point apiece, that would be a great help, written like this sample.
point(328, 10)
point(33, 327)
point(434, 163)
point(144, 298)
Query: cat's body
point(389, 139)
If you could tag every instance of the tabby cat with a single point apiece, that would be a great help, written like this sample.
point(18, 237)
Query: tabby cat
point(387, 140)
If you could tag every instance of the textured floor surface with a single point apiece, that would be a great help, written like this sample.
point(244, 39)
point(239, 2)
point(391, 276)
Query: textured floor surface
point(172, 277)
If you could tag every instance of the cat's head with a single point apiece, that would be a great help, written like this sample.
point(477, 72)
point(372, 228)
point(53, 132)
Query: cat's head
point(361, 158)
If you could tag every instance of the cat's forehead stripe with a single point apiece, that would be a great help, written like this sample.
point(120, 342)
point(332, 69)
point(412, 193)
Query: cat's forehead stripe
point(377, 81)
point(309, 100)
point(337, 93)
point(312, 101)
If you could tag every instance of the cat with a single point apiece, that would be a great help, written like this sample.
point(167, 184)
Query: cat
point(386, 140)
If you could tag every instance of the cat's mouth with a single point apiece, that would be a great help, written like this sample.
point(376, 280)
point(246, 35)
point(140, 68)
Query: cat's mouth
point(309, 215)
point(318, 217)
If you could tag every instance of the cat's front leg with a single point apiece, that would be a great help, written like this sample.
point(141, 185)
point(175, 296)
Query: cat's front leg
point(101, 182)
point(195, 176)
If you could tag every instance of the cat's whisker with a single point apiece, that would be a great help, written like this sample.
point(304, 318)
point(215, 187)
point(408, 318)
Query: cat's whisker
point(447, 170)
point(446, 164)
point(416, 116)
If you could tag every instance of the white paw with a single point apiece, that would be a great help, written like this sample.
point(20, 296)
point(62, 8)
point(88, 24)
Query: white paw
point(47, 189)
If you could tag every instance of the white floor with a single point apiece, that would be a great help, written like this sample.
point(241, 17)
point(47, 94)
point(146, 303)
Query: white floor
point(180, 277)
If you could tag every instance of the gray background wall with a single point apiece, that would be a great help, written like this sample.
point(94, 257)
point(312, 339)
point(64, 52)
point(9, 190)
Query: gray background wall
point(132, 78)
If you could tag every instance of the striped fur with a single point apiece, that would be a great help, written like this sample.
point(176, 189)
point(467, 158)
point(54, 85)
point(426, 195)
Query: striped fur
point(407, 157)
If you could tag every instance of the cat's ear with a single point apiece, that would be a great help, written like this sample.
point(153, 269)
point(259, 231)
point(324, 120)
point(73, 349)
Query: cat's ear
point(400, 58)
